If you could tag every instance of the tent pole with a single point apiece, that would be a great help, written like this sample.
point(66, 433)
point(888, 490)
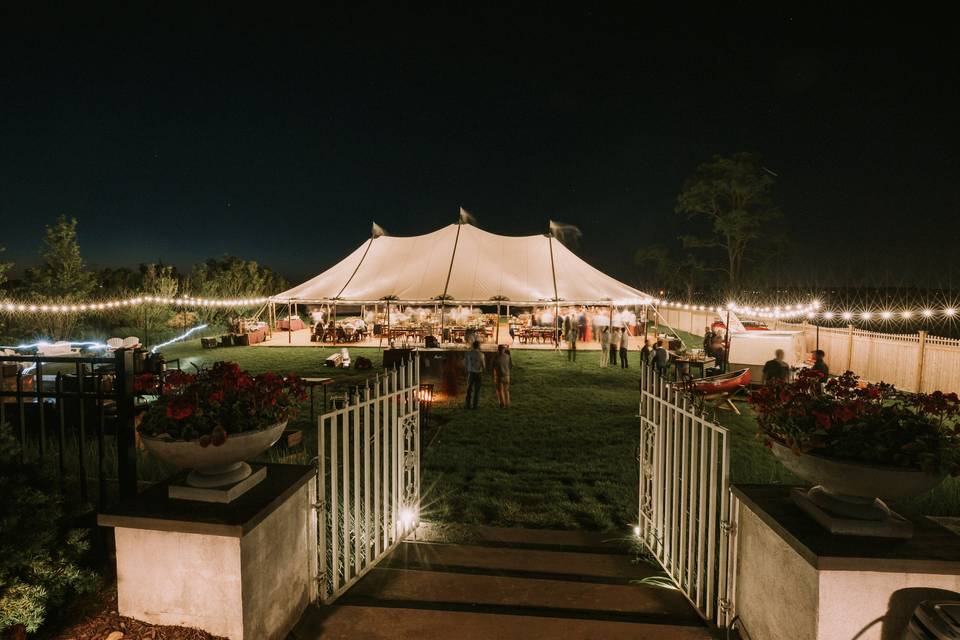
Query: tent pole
point(726, 349)
point(289, 324)
point(388, 323)
point(334, 323)
point(646, 328)
point(498, 323)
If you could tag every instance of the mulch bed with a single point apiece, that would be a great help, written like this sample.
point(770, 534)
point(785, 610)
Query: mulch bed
point(99, 620)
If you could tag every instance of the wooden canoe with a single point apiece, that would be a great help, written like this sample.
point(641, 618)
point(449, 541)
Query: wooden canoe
point(723, 383)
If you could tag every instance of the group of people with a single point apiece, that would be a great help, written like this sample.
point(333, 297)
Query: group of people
point(500, 366)
point(614, 342)
point(777, 370)
point(655, 354)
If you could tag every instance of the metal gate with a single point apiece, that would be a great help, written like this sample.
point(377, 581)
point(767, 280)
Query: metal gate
point(685, 501)
point(368, 477)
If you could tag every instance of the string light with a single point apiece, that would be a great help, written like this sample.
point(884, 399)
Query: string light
point(182, 336)
point(811, 311)
point(92, 346)
point(11, 306)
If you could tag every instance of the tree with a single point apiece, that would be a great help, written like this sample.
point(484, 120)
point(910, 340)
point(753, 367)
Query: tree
point(733, 194)
point(231, 277)
point(61, 277)
point(159, 281)
point(680, 272)
point(4, 268)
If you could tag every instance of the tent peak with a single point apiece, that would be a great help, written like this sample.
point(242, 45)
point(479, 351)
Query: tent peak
point(466, 218)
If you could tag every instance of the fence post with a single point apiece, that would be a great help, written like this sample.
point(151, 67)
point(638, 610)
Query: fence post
point(921, 348)
point(126, 430)
point(849, 366)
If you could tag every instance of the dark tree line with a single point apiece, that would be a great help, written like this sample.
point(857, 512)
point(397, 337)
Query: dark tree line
point(62, 276)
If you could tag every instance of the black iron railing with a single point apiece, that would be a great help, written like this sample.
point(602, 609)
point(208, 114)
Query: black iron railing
point(76, 414)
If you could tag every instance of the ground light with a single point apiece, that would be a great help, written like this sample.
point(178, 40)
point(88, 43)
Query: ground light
point(408, 517)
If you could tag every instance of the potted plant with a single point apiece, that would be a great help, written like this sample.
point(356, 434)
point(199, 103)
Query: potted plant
point(213, 421)
point(859, 444)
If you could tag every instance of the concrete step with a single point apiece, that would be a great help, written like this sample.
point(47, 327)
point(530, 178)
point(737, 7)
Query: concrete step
point(614, 542)
point(350, 622)
point(470, 558)
point(562, 598)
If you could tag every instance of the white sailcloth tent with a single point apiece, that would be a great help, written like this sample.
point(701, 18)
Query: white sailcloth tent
point(463, 264)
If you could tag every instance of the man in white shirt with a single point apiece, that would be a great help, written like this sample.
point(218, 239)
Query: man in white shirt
point(624, 346)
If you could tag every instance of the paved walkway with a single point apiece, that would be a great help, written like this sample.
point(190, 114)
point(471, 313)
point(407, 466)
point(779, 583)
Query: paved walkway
point(506, 583)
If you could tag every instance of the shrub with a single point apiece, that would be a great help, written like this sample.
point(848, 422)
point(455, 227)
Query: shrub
point(40, 556)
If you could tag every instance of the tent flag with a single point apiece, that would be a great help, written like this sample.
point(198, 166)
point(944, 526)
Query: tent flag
point(376, 231)
point(467, 264)
point(565, 233)
point(466, 217)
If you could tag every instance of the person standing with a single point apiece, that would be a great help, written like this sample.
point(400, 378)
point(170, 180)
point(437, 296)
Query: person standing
point(660, 358)
point(776, 369)
point(604, 346)
point(501, 365)
point(707, 339)
point(624, 347)
point(646, 352)
point(819, 364)
point(614, 345)
point(473, 362)
point(572, 333)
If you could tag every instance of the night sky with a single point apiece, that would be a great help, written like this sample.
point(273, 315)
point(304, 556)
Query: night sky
point(280, 137)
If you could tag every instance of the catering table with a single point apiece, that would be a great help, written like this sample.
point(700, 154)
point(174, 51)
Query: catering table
point(290, 324)
point(691, 362)
point(541, 334)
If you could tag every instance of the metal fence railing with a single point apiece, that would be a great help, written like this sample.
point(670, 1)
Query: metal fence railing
point(75, 413)
point(684, 506)
point(368, 478)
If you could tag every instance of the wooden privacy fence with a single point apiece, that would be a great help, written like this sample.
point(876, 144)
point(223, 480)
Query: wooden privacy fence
point(684, 507)
point(912, 361)
point(368, 477)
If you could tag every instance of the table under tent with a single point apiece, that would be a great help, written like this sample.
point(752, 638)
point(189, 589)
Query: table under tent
point(455, 285)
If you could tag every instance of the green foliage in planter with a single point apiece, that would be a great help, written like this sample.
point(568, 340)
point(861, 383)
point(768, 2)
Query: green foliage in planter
point(39, 556)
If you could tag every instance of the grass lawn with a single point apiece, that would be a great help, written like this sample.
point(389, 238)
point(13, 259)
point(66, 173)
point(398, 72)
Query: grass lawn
point(563, 456)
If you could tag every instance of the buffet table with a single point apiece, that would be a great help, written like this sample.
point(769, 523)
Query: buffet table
point(290, 324)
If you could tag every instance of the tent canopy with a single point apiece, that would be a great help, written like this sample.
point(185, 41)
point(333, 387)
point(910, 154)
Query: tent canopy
point(461, 263)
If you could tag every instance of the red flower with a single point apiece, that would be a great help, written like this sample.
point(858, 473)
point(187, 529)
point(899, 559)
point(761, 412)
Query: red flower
point(178, 378)
point(180, 408)
point(145, 382)
point(216, 395)
point(823, 419)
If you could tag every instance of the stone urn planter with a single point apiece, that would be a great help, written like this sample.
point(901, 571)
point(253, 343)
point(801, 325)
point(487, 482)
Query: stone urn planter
point(848, 497)
point(215, 466)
